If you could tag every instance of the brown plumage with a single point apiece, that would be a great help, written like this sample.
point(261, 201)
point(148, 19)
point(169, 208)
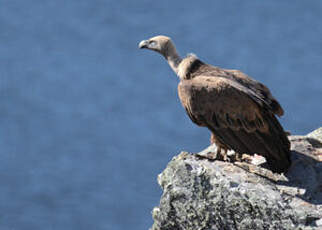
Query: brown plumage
point(238, 110)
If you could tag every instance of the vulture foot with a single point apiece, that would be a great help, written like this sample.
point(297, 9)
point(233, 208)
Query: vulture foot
point(220, 154)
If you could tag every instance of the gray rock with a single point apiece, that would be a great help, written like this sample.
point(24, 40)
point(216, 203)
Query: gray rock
point(317, 134)
point(200, 194)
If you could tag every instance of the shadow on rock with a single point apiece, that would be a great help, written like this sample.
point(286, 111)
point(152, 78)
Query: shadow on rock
point(304, 178)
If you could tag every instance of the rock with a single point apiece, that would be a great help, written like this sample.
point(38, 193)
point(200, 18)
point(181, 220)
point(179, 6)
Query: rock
point(200, 194)
point(317, 134)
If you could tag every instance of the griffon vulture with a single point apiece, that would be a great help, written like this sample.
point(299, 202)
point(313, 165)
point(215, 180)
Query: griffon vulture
point(238, 110)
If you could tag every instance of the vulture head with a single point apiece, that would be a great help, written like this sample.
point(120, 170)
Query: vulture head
point(164, 46)
point(161, 44)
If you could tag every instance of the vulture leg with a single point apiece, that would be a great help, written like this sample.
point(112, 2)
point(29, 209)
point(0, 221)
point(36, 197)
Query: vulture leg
point(238, 156)
point(212, 139)
point(219, 154)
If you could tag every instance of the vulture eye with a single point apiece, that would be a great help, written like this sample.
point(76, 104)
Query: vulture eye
point(152, 43)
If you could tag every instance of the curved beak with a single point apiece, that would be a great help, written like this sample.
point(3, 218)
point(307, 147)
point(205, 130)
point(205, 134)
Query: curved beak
point(143, 44)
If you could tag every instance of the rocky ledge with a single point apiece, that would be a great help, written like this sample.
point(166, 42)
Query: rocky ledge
point(200, 194)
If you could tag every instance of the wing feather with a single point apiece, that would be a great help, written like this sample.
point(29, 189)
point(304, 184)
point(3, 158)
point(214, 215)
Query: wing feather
point(237, 116)
point(261, 90)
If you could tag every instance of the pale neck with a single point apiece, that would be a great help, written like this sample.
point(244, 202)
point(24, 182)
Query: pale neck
point(174, 60)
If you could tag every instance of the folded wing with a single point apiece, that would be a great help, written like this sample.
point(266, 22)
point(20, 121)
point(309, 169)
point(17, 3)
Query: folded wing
point(237, 116)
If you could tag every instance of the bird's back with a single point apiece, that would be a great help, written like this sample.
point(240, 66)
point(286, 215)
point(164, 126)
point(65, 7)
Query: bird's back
point(260, 90)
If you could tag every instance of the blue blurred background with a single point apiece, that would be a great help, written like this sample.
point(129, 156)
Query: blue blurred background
point(88, 121)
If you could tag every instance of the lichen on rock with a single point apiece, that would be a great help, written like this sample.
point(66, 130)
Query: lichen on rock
point(199, 194)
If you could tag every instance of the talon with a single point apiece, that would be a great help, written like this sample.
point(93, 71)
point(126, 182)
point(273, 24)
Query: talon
point(225, 156)
point(239, 156)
